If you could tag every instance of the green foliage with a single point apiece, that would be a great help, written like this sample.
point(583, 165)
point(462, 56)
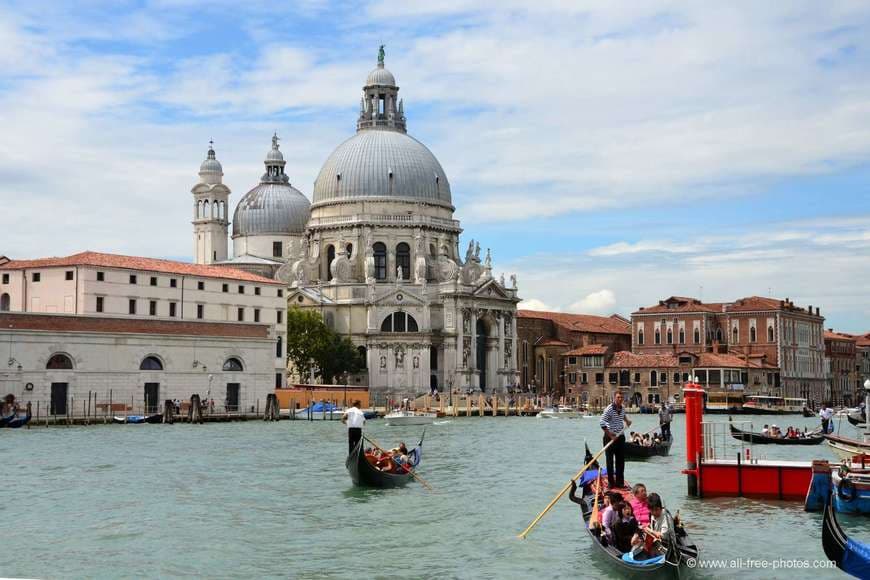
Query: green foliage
point(313, 345)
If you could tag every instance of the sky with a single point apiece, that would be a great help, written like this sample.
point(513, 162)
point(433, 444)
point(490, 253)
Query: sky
point(611, 154)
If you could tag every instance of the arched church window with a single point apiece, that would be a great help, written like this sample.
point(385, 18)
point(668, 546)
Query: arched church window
point(349, 250)
point(670, 336)
point(199, 209)
point(151, 363)
point(399, 322)
point(59, 362)
point(380, 253)
point(233, 365)
point(330, 256)
point(205, 209)
point(403, 260)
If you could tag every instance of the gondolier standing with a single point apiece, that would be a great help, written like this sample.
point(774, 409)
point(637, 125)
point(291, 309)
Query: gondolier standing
point(613, 422)
point(826, 413)
point(665, 420)
point(354, 419)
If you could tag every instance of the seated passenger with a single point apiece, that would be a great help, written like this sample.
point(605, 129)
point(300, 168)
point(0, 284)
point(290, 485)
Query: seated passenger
point(765, 431)
point(610, 515)
point(625, 528)
point(639, 505)
point(658, 529)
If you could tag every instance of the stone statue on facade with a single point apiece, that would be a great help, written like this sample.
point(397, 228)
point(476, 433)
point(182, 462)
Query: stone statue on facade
point(399, 275)
point(488, 261)
point(508, 355)
point(513, 281)
point(381, 55)
point(477, 252)
point(446, 268)
point(466, 354)
point(501, 280)
point(400, 357)
point(420, 267)
point(469, 253)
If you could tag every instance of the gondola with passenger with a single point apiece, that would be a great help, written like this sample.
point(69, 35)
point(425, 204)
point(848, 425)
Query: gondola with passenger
point(680, 549)
point(365, 470)
point(850, 556)
point(813, 438)
point(638, 451)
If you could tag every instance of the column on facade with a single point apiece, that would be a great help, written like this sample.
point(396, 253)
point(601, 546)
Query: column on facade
point(472, 357)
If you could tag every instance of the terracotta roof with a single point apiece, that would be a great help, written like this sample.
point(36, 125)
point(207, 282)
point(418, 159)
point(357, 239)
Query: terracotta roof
point(136, 263)
point(589, 349)
point(70, 323)
point(681, 304)
point(862, 339)
point(551, 342)
point(684, 304)
point(627, 359)
point(832, 335)
point(613, 324)
point(714, 360)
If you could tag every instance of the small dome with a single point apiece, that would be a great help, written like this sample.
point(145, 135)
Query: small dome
point(382, 164)
point(381, 76)
point(271, 209)
point(211, 171)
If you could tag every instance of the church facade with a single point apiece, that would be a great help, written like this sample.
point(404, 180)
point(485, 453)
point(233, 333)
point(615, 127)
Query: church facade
point(377, 253)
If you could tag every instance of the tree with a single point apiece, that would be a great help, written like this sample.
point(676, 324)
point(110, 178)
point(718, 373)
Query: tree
point(311, 345)
point(307, 337)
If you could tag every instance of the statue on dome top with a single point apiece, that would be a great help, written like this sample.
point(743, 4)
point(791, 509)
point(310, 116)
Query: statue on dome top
point(381, 55)
point(275, 140)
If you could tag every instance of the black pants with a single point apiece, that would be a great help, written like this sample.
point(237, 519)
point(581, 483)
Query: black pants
point(615, 473)
point(825, 423)
point(666, 430)
point(354, 434)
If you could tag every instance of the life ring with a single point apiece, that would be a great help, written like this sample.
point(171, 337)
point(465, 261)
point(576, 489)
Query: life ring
point(846, 484)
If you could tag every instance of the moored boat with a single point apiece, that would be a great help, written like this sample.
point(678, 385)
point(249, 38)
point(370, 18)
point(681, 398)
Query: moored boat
point(767, 405)
point(403, 417)
point(760, 439)
point(321, 412)
point(846, 448)
point(17, 421)
point(560, 412)
point(851, 556)
point(364, 474)
point(635, 451)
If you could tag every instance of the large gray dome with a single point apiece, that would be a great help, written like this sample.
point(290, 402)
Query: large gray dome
point(379, 163)
point(271, 209)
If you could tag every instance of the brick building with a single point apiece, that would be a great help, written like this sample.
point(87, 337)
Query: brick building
point(843, 384)
point(767, 333)
point(862, 358)
point(545, 339)
point(594, 374)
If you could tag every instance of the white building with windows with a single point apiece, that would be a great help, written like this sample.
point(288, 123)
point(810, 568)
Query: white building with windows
point(84, 306)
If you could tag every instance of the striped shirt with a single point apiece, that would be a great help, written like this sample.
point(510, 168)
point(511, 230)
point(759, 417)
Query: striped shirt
point(613, 420)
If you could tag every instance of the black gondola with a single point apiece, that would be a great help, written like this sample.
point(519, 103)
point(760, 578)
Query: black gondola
point(760, 439)
point(681, 547)
point(18, 421)
point(850, 556)
point(364, 474)
point(635, 451)
point(808, 413)
point(856, 419)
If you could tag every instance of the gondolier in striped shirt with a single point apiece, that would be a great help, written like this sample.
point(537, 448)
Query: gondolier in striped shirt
point(613, 422)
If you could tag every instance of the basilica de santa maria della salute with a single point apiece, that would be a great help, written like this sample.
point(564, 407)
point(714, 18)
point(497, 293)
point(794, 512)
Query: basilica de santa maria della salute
point(376, 252)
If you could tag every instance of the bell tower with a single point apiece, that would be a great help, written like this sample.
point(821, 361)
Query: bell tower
point(210, 224)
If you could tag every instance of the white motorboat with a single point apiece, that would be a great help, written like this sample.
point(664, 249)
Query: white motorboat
point(560, 412)
point(401, 417)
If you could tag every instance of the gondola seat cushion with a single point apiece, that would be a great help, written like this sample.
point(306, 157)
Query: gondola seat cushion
point(629, 557)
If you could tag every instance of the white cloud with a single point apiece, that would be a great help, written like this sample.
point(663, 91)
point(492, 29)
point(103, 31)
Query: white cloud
point(600, 302)
point(535, 304)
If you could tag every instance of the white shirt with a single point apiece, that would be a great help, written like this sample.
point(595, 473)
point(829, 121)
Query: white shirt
point(826, 413)
point(355, 418)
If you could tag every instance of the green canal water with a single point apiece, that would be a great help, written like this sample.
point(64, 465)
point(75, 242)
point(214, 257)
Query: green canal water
point(251, 500)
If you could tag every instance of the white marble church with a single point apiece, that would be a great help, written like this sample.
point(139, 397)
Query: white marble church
point(376, 253)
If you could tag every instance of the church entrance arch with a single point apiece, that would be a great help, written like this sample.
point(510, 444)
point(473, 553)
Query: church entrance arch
point(4, 303)
point(481, 352)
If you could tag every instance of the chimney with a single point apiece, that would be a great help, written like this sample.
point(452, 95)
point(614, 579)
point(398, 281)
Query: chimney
point(810, 309)
point(817, 311)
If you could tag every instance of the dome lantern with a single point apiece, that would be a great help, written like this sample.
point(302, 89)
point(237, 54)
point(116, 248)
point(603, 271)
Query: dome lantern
point(274, 164)
point(380, 107)
point(211, 171)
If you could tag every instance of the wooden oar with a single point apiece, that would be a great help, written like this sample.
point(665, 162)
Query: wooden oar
point(594, 517)
point(523, 535)
point(408, 470)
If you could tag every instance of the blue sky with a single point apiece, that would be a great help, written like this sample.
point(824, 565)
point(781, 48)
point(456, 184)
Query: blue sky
point(610, 155)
